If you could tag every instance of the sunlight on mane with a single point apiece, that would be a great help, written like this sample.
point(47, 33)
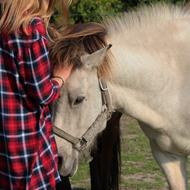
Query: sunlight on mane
point(145, 17)
point(89, 37)
point(78, 39)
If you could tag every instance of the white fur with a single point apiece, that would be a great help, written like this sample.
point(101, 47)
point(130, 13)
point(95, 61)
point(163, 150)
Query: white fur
point(150, 82)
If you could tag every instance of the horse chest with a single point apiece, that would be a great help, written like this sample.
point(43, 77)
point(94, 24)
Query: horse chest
point(167, 141)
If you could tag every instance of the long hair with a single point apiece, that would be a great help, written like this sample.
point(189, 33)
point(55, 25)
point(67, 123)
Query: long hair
point(19, 13)
point(105, 168)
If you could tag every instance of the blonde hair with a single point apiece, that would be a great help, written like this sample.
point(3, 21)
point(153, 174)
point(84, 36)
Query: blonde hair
point(19, 13)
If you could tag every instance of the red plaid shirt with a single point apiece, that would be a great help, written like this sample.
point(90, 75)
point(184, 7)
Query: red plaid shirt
point(28, 154)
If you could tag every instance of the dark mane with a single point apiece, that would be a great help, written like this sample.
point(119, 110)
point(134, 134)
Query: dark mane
point(77, 39)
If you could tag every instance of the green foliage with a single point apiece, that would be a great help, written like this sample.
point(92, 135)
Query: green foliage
point(88, 10)
point(95, 10)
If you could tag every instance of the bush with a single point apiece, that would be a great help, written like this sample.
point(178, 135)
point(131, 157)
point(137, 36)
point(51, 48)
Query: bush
point(88, 10)
point(95, 10)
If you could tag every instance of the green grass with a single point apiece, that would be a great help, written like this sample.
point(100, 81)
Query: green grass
point(81, 180)
point(139, 170)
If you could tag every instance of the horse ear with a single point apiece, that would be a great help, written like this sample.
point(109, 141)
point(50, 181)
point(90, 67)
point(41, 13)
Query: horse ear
point(93, 60)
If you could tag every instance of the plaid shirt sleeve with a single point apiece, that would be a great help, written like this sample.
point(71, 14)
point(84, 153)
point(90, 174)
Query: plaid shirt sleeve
point(28, 152)
point(35, 67)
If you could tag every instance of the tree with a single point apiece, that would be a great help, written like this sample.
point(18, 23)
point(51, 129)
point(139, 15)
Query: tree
point(88, 10)
point(96, 10)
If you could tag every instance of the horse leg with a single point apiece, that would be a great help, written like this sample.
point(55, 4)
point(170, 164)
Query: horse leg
point(173, 166)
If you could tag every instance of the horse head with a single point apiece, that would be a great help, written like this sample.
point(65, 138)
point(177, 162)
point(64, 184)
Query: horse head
point(80, 103)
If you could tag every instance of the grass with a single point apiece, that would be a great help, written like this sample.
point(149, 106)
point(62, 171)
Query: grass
point(139, 169)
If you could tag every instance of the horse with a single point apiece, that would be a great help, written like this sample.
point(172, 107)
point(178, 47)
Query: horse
point(145, 74)
point(103, 175)
point(105, 167)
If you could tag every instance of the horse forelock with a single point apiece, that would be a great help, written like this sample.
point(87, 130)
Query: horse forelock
point(76, 40)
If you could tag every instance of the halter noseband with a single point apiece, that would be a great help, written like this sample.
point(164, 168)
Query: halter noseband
point(83, 142)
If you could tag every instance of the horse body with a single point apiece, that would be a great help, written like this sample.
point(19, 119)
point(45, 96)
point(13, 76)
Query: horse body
point(150, 81)
point(151, 84)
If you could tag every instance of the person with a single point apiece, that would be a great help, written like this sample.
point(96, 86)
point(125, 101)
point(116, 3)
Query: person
point(28, 154)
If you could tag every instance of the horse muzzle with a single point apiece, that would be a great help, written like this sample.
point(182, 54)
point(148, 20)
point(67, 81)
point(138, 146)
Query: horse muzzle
point(68, 165)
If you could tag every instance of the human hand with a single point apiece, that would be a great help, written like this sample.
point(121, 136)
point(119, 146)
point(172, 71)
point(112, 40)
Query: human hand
point(62, 73)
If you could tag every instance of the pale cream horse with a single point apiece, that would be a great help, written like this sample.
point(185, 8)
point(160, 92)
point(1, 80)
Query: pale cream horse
point(150, 81)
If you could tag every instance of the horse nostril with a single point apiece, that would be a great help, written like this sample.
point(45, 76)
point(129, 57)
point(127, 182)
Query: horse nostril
point(78, 100)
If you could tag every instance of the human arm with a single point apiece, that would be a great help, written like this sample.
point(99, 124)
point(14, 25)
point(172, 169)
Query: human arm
point(35, 68)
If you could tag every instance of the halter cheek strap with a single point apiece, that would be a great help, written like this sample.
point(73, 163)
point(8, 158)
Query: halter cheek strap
point(96, 127)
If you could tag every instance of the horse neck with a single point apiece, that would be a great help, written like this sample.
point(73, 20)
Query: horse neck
point(151, 64)
point(135, 81)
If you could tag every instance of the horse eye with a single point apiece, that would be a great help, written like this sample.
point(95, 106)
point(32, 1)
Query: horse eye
point(78, 100)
